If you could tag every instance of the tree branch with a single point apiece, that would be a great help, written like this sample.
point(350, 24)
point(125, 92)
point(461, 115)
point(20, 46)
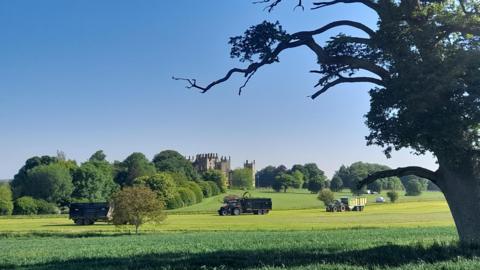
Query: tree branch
point(400, 172)
point(334, 24)
point(341, 80)
point(367, 3)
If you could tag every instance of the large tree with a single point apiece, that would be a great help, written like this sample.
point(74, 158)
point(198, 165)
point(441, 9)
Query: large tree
point(172, 161)
point(133, 166)
point(424, 58)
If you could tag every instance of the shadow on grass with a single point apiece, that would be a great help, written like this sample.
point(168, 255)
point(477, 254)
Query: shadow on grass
point(383, 256)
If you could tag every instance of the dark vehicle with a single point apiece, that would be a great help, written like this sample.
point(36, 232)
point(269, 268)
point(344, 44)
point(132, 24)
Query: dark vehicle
point(89, 213)
point(235, 206)
point(347, 204)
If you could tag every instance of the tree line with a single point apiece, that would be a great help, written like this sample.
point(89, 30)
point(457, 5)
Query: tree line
point(310, 177)
point(46, 184)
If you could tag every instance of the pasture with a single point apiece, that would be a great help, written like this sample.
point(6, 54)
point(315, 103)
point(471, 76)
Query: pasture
point(415, 233)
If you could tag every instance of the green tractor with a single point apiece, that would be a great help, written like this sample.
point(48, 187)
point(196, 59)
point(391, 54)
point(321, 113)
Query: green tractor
point(347, 204)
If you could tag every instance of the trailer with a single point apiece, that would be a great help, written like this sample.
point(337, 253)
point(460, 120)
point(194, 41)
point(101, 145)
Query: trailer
point(347, 204)
point(240, 205)
point(89, 213)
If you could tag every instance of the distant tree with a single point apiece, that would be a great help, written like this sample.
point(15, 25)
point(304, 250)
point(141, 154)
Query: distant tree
point(286, 180)
point(413, 188)
point(393, 196)
point(218, 177)
point(422, 181)
point(135, 165)
point(6, 200)
point(316, 184)
point(161, 183)
point(242, 178)
point(326, 196)
point(336, 184)
point(266, 176)
point(137, 206)
point(93, 182)
point(215, 189)
point(98, 156)
point(20, 180)
point(311, 171)
point(52, 183)
point(432, 186)
point(46, 208)
point(25, 205)
point(172, 161)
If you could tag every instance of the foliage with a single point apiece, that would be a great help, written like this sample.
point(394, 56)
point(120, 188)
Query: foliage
point(93, 181)
point(175, 202)
point(326, 196)
point(20, 180)
point(135, 165)
point(375, 186)
point(187, 196)
point(6, 197)
point(206, 189)
point(214, 187)
point(161, 183)
point(136, 206)
point(316, 184)
point(266, 176)
point(46, 208)
point(25, 206)
point(286, 180)
point(336, 184)
point(242, 178)
point(393, 196)
point(217, 177)
point(172, 161)
point(422, 181)
point(413, 188)
point(196, 190)
point(52, 183)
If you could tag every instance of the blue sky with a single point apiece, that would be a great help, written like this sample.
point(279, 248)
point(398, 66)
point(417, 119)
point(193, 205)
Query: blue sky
point(79, 76)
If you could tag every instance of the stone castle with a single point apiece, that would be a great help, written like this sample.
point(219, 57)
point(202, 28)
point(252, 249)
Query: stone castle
point(211, 161)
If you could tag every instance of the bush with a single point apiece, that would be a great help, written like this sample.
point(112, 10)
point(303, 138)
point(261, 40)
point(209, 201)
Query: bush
point(25, 206)
point(393, 196)
point(215, 188)
point(217, 177)
point(175, 202)
point(46, 208)
point(326, 196)
point(413, 188)
point(6, 203)
point(316, 184)
point(196, 190)
point(206, 189)
point(161, 183)
point(187, 196)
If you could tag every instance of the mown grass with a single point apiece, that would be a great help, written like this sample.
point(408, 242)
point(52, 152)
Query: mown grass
point(397, 248)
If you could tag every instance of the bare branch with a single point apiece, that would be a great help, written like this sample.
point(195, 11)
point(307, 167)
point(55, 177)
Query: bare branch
point(332, 25)
point(345, 80)
point(399, 172)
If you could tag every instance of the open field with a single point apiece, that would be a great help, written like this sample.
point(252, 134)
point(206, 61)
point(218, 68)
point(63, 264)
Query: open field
point(415, 233)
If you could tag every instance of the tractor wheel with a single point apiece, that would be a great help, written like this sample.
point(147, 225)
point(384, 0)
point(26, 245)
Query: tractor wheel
point(236, 211)
point(342, 208)
point(222, 212)
point(261, 212)
point(78, 221)
point(334, 209)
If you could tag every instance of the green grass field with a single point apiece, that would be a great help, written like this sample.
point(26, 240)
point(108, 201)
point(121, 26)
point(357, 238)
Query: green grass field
point(415, 233)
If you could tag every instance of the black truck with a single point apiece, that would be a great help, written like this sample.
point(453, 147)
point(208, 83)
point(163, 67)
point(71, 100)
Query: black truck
point(235, 206)
point(89, 213)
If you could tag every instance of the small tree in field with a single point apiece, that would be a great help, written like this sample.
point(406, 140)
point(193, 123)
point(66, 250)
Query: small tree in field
point(393, 196)
point(136, 206)
point(326, 196)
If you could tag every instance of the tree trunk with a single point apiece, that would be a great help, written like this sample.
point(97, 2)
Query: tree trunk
point(462, 192)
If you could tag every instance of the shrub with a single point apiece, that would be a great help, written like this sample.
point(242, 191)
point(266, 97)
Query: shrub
point(206, 189)
point(161, 183)
point(196, 190)
point(217, 177)
point(46, 208)
point(393, 196)
point(187, 196)
point(175, 202)
point(6, 203)
point(326, 196)
point(215, 188)
point(25, 206)
point(316, 184)
point(413, 188)
point(136, 206)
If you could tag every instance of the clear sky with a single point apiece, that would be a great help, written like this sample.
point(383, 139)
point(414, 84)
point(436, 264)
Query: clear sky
point(79, 76)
